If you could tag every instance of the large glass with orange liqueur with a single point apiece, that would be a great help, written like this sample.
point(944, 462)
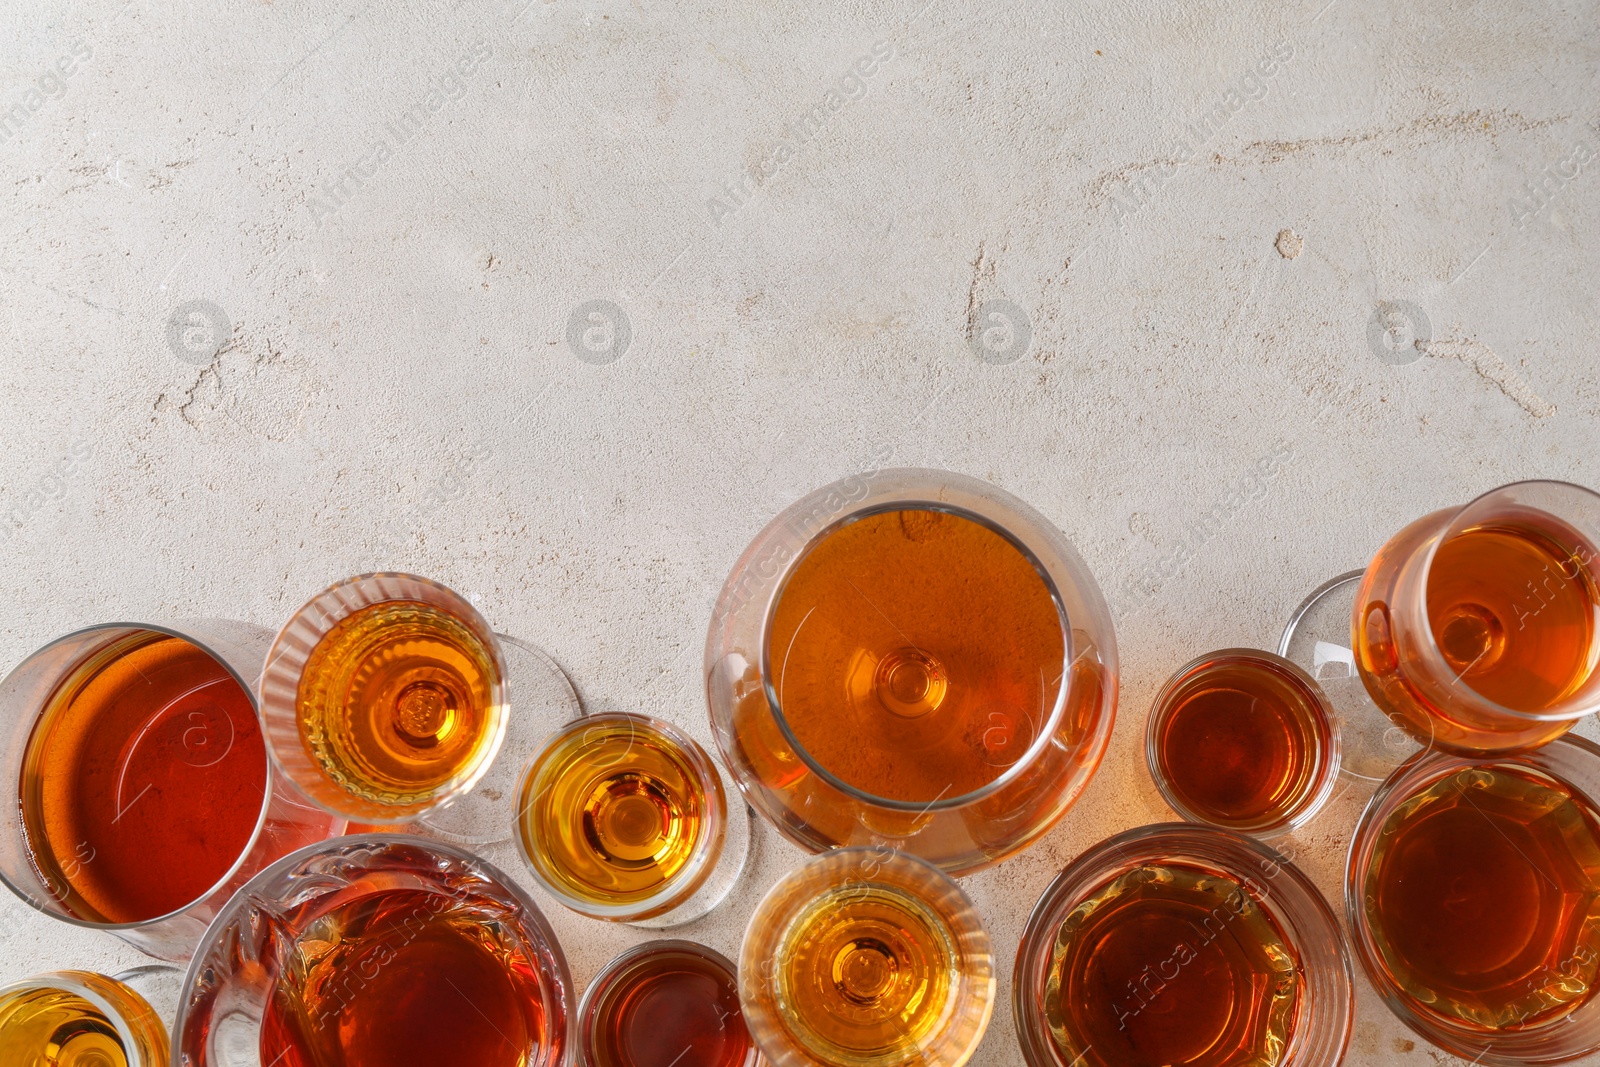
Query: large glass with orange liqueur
point(912, 657)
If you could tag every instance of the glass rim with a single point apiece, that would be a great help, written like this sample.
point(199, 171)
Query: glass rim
point(680, 946)
point(1430, 646)
point(72, 981)
point(1325, 772)
point(976, 974)
point(1047, 728)
point(704, 856)
point(1320, 952)
point(284, 667)
point(239, 906)
point(266, 792)
point(1423, 770)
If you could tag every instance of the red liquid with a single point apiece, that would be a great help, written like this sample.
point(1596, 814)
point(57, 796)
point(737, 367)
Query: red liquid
point(1484, 898)
point(404, 978)
point(143, 781)
point(671, 1008)
point(1245, 744)
point(1173, 965)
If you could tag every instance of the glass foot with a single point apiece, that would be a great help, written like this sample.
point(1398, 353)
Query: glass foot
point(723, 877)
point(1317, 640)
point(541, 700)
point(161, 986)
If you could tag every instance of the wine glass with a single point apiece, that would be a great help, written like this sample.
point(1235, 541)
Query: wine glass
point(866, 957)
point(911, 657)
point(1473, 630)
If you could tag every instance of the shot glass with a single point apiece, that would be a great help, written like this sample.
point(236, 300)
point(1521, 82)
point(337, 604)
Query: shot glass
point(1245, 740)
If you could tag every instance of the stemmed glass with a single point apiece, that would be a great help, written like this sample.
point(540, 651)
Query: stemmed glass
point(1473, 630)
point(911, 657)
point(866, 957)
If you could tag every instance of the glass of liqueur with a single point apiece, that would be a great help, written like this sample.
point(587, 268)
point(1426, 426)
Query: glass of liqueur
point(866, 957)
point(912, 657)
point(377, 950)
point(624, 817)
point(384, 698)
point(1472, 889)
point(1182, 944)
point(78, 1019)
point(145, 795)
point(664, 1004)
point(1473, 630)
point(1245, 740)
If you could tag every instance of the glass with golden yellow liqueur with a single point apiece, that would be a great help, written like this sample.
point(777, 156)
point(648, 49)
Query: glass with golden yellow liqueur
point(145, 795)
point(1473, 630)
point(912, 657)
point(866, 957)
point(384, 697)
point(1181, 944)
point(1472, 890)
point(1243, 739)
point(78, 1019)
point(383, 950)
point(624, 817)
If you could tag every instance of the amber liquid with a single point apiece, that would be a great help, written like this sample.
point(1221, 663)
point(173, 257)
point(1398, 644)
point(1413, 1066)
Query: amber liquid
point(672, 1008)
point(59, 1028)
point(866, 973)
point(1483, 897)
point(401, 977)
point(615, 812)
point(1512, 608)
point(396, 703)
point(1171, 964)
point(143, 780)
point(915, 654)
point(1244, 745)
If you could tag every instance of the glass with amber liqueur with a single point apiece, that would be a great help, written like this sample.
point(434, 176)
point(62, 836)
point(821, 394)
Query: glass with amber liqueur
point(1243, 739)
point(911, 657)
point(78, 1019)
point(1175, 944)
point(866, 957)
point(664, 1004)
point(144, 793)
point(624, 817)
point(378, 950)
point(1473, 894)
point(384, 698)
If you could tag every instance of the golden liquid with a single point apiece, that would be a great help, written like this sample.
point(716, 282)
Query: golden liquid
point(916, 654)
point(57, 1028)
point(395, 703)
point(614, 812)
point(866, 974)
point(1171, 964)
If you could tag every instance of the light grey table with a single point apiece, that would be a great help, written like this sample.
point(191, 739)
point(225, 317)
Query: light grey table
point(560, 302)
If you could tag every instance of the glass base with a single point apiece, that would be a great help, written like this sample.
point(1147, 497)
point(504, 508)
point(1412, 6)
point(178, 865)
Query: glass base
point(541, 700)
point(1317, 640)
point(724, 876)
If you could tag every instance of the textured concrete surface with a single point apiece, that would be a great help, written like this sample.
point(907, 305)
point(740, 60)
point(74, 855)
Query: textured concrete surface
point(560, 302)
